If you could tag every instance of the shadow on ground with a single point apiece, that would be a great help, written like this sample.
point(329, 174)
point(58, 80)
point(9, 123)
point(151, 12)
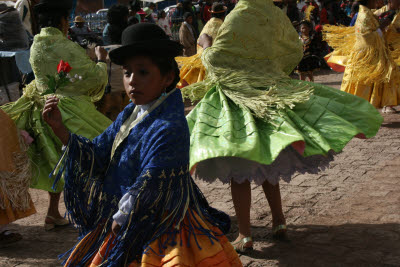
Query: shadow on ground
point(320, 245)
point(393, 125)
point(40, 245)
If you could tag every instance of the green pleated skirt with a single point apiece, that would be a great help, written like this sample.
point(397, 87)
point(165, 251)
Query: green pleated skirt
point(227, 141)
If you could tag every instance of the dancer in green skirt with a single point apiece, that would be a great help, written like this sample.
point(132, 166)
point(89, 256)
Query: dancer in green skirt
point(256, 124)
point(80, 116)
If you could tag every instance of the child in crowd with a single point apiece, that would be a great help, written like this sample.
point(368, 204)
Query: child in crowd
point(310, 61)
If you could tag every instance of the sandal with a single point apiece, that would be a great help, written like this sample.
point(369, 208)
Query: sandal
point(239, 246)
point(389, 110)
point(280, 233)
point(55, 222)
point(7, 237)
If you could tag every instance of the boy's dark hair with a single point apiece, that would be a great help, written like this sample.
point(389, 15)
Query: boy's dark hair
point(165, 65)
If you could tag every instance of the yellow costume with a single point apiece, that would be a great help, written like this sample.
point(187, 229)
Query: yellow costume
point(382, 10)
point(342, 40)
point(192, 69)
point(371, 72)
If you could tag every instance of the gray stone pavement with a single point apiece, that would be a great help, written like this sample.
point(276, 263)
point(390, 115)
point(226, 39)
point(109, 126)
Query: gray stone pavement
point(347, 215)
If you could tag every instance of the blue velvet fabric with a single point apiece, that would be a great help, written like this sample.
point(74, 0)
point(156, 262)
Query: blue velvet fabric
point(152, 165)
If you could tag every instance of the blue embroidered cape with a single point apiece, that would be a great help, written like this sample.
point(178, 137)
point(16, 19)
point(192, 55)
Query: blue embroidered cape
point(152, 164)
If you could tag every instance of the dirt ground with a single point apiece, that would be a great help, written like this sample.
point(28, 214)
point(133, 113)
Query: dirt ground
point(347, 215)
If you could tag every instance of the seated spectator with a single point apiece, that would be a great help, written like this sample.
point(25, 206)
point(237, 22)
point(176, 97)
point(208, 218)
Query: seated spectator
point(80, 32)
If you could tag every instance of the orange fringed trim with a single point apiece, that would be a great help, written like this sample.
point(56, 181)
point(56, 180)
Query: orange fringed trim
point(83, 246)
point(9, 215)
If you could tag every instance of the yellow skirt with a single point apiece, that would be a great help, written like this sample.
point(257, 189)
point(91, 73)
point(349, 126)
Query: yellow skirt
point(378, 94)
point(218, 254)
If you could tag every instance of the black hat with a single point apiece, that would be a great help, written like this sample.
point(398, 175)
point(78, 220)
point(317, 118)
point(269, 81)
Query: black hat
point(218, 8)
point(53, 4)
point(142, 38)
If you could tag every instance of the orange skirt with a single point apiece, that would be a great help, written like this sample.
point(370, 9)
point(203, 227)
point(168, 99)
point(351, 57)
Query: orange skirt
point(9, 215)
point(9, 143)
point(219, 254)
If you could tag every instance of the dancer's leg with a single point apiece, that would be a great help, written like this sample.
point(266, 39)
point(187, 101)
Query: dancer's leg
point(53, 211)
point(273, 194)
point(241, 196)
point(311, 76)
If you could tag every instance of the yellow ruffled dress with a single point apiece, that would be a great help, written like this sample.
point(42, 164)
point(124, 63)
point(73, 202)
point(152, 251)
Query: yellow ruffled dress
point(371, 72)
point(342, 40)
point(192, 69)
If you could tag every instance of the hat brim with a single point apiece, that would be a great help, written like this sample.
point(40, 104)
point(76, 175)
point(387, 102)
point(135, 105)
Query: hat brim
point(218, 12)
point(162, 47)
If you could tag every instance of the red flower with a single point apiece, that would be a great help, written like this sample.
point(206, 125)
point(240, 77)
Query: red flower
point(63, 67)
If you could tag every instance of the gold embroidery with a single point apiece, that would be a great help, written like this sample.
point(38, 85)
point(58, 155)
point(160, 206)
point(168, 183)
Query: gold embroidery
point(115, 201)
point(147, 174)
point(162, 175)
point(123, 212)
point(172, 173)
